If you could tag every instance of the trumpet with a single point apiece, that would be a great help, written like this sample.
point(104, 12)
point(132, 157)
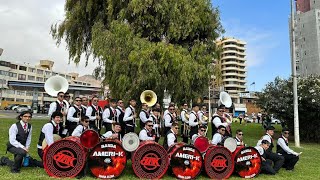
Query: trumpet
point(134, 119)
point(63, 111)
point(97, 120)
point(228, 118)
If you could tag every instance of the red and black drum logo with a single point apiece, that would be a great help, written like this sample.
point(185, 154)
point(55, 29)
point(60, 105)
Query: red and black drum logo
point(185, 162)
point(64, 158)
point(218, 162)
point(107, 160)
point(150, 161)
point(247, 162)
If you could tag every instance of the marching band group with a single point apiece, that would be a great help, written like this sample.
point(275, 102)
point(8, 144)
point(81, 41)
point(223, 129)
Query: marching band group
point(115, 120)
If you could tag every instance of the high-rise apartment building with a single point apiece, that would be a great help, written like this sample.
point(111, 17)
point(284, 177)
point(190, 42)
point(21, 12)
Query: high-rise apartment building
point(233, 66)
point(307, 37)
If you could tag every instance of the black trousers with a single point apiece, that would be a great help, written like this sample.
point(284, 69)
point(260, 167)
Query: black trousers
point(71, 127)
point(266, 167)
point(129, 128)
point(40, 153)
point(92, 125)
point(184, 134)
point(5, 161)
point(19, 153)
point(278, 160)
point(290, 161)
point(193, 130)
point(166, 130)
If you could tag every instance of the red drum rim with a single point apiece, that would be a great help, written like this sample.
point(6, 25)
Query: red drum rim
point(185, 161)
point(201, 143)
point(64, 158)
point(107, 159)
point(247, 162)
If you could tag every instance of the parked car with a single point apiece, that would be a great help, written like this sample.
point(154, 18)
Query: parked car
point(275, 121)
point(10, 106)
point(22, 108)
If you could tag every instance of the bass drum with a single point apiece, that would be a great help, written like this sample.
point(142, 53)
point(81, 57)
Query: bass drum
point(229, 143)
point(185, 161)
point(150, 160)
point(201, 143)
point(64, 158)
point(218, 162)
point(247, 162)
point(107, 159)
point(130, 142)
point(89, 138)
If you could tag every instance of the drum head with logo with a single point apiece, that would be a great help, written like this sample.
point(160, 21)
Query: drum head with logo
point(89, 138)
point(230, 143)
point(185, 162)
point(202, 143)
point(130, 142)
point(218, 162)
point(247, 162)
point(107, 160)
point(150, 161)
point(64, 158)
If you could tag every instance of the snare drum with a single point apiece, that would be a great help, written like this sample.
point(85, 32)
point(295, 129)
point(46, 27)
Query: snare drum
point(64, 158)
point(107, 159)
point(89, 138)
point(201, 143)
point(229, 143)
point(130, 142)
point(150, 160)
point(185, 161)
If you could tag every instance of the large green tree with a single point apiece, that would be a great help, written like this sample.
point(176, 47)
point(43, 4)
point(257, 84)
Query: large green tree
point(277, 98)
point(144, 44)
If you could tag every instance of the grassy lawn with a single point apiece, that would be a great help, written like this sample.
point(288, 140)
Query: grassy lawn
point(307, 168)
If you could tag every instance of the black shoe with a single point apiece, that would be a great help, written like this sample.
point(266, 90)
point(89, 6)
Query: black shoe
point(3, 161)
point(15, 171)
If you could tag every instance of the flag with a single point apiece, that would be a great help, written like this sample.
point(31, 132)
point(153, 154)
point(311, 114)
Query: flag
point(253, 83)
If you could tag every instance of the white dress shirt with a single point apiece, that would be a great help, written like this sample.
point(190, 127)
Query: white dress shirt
point(47, 129)
point(13, 131)
point(53, 107)
point(89, 112)
point(128, 114)
point(106, 116)
point(165, 113)
point(192, 119)
point(216, 139)
point(171, 138)
point(281, 142)
point(260, 150)
point(78, 130)
point(71, 111)
point(238, 141)
point(265, 137)
point(183, 116)
point(143, 135)
point(155, 125)
point(194, 137)
point(168, 120)
point(217, 122)
point(143, 116)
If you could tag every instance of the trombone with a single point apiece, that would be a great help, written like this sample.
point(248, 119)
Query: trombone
point(186, 127)
point(79, 115)
point(63, 111)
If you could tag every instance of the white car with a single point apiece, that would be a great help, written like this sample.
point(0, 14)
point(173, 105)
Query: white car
point(22, 108)
point(275, 121)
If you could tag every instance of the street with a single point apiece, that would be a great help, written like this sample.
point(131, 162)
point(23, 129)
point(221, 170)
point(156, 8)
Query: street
point(14, 114)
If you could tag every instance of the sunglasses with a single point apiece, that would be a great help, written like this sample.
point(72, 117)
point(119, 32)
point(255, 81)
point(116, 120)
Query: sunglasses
point(171, 109)
point(86, 121)
point(222, 130)
point(203, 130)
point(176, 128)
point(61, 95)
point(240, 134)
point(286, 133)
point(150, 125)
point(78, 100)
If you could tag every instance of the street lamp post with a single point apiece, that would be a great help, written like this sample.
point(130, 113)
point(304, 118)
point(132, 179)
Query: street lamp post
point(294, 79)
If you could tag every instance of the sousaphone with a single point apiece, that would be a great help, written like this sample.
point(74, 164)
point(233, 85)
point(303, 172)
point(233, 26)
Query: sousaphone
point(149, 97)
point(225, 99)
point(56, 84)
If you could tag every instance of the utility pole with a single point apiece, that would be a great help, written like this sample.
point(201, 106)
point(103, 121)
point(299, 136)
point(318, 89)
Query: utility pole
point(294, 79)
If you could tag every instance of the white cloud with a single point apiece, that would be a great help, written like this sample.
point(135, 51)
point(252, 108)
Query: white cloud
point(25, 34)
point(260, 42)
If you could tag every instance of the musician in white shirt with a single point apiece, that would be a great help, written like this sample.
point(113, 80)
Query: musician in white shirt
point(146, 132)
point(291, 157)
point(74, 114)
point(201, 133)
point(109, 115)
point(217, 137)
point(115, 133)
point(169, 119)
point(202, 113)
point(194, 120)
point(94, 112)
point(129, 116)
point(184, 123)
point(84, 125)
point(84, 104)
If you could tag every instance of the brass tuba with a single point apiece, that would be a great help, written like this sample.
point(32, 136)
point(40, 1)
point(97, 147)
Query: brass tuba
point(149, 97)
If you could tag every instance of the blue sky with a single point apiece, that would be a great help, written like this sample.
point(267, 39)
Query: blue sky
point(264, 26)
